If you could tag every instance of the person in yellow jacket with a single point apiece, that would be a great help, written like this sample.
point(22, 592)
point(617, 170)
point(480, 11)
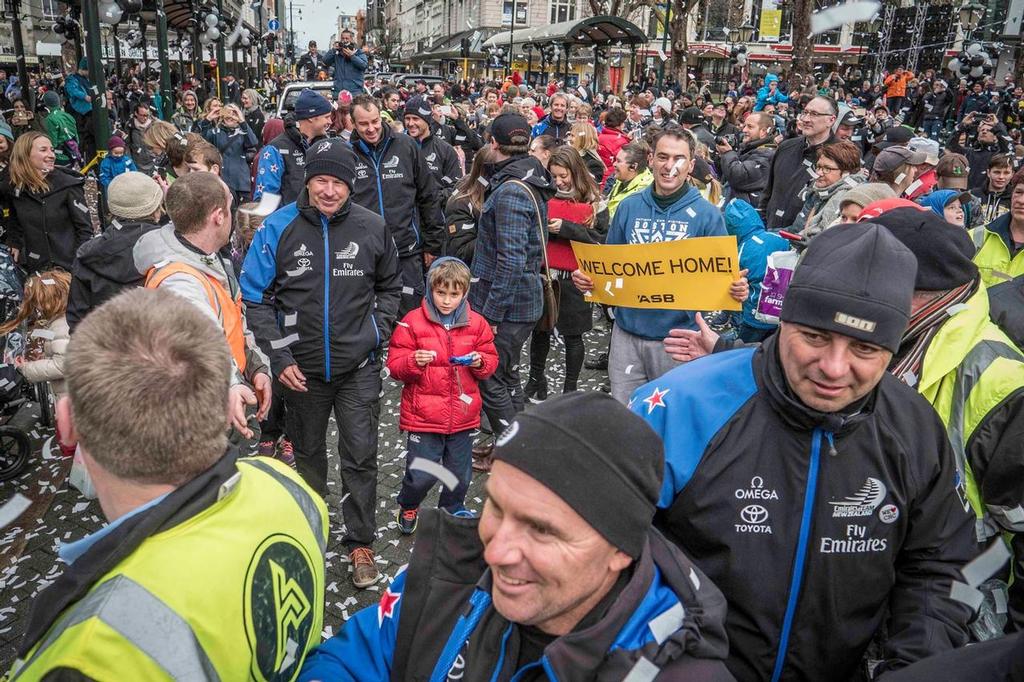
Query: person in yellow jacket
point(631, 174)
point(972, 374)
point(1000, 244)
point(212, 567)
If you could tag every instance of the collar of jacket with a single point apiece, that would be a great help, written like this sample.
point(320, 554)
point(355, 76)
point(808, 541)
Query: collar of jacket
point(180, 505)
point(526, 169)
point(763, 142)
point(772, 380)
point(361, 145)
point(313, 214)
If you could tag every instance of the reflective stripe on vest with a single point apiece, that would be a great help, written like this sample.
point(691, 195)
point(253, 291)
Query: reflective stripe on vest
point(302, 498)
point(980, 357)
point(143, 620)
point(229, 311)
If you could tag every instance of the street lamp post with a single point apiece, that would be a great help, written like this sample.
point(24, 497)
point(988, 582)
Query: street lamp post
point(511, 39)
point(970, 16)
point(664, 42)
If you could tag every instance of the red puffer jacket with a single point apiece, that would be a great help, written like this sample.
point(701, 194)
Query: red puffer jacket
point(432, 399)
point(609, 142)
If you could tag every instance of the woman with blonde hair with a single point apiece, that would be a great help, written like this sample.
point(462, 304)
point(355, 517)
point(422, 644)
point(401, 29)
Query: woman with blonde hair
point(211, 115)
point(583, 138)
point(254, 116)
point(48, 218)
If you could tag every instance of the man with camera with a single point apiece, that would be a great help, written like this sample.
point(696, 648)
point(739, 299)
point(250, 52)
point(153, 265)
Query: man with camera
point(349, 62)
point(986, 137)
point(745, 170)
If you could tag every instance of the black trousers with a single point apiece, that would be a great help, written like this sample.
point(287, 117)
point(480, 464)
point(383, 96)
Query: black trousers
point(411, 268)
point(502, 392)
point(355, 400)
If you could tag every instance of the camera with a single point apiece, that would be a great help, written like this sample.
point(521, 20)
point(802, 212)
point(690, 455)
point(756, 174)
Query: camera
point(731, 140)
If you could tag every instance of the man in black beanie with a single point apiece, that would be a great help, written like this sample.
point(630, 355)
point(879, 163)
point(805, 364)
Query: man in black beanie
point(440, 157)
point(322, 286)
point(562, 577)
point(813, 487)
point(973, 375)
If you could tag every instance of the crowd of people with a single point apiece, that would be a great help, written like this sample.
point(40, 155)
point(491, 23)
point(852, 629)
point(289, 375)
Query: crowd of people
point(826, 491)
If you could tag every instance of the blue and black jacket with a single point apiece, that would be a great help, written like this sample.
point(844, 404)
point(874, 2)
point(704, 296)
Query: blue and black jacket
point(755, 245)
point(436, 622)
point(321, 293)
point(819, 528)
point(393, 180)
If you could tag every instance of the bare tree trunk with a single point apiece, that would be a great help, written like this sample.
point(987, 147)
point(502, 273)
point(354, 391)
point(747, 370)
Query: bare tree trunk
point(803, 43)
point(679, 31)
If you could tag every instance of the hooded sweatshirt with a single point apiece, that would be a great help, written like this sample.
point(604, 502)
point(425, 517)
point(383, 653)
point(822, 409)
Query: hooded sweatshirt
point(639, 220)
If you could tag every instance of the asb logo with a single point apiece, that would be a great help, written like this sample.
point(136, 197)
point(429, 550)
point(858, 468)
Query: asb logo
point(280, 587)
point(754, 513)
point(863, 503)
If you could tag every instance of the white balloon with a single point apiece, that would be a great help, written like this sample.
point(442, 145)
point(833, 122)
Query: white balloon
point(974, 48)
point(213, 33)
point(246, 42)
point(246, 33)
point(954, 64)
point(741, 60)
point(204, 39)
point(110, 13)
point(212, 20)
point(977, 72)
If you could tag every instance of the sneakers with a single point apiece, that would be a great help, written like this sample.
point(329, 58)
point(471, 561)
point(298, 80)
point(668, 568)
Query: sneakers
point(407, 520)
point(286, 453)
point(536, 390)
point(364, 568)
point(266, 448)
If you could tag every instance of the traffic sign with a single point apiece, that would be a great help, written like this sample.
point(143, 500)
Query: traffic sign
point(274, 25)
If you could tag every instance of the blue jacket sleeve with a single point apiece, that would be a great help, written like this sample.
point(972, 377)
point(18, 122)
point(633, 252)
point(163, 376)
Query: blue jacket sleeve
point(74, 89)
point(106, 172)
point(363, 650)
point(360, 60)
point(269, 172)
point(329, 56)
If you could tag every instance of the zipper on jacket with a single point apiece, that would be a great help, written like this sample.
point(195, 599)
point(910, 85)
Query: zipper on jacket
point(375, 158)
point(542, 663)
point(800, 560)
point(463, 628)
point(327, 301)
point(501, 657)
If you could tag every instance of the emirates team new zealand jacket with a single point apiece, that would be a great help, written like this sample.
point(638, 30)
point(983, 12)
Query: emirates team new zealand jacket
point(394, 181)
point(321, 293)
point(816, 527)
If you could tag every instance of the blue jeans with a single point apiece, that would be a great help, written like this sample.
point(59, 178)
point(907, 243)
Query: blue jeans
point(932, 128)
point(453, 451)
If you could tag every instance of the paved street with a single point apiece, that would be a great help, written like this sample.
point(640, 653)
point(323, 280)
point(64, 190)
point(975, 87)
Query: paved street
point(28, 550)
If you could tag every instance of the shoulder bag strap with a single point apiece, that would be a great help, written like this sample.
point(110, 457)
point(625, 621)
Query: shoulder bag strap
point(540, 225)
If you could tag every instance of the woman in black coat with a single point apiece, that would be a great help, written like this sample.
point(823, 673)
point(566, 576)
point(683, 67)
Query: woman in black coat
point(254, 116)
point(48, 218)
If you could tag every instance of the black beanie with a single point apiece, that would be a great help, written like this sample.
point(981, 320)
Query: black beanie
point(420, 106)
point(857, 280)
point(331, 157)
point(601, 459)
point(943, 251)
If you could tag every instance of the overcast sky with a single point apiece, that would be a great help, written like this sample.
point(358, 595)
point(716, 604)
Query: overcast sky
point(320, 17)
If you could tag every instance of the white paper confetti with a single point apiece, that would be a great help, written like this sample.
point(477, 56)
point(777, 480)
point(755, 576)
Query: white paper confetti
point(846, 13)
point(13, 508)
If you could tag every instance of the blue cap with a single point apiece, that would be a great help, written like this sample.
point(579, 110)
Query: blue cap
point(310, 104)
point(5, 130)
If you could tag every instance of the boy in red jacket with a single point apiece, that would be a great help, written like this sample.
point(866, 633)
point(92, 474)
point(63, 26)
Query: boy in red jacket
point(440, 351)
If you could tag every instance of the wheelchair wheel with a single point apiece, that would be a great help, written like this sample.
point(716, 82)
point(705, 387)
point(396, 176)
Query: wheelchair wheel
point(44, 398)
point(14, 451)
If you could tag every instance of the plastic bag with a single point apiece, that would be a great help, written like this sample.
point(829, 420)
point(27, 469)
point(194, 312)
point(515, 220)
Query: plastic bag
point(774, 285)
